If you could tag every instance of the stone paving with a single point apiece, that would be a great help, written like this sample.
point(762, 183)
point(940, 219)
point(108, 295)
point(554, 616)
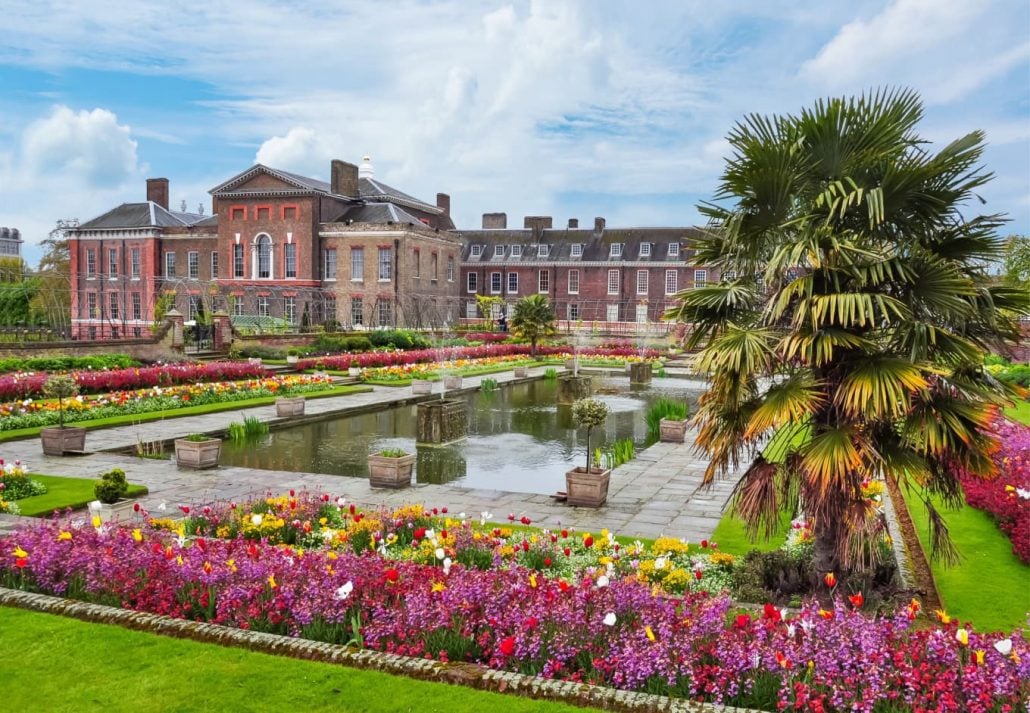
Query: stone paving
point(657, 493)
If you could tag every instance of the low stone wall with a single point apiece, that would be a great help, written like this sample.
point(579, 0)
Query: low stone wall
point(471, 675)
point(158, 347)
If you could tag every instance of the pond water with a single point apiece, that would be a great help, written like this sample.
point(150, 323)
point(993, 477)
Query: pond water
point(518, 438)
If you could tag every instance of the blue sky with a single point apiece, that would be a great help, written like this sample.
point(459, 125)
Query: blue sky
point(573, 109)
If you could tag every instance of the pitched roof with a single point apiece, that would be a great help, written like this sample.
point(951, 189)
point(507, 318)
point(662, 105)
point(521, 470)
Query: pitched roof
point(377, 213)
point(371, 189)
point(142, 215)
point(296, 180)
point(595, 247)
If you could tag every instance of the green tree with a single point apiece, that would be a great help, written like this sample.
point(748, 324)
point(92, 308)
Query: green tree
point(533, 319)
point(486, 304)
point(861, 344)
point(51, 303)
point(1016, 263)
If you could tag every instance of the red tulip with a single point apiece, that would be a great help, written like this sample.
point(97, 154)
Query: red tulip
point(547, 561)
point(771, 612)
point(21, 562)
point(185, 509)
point(564, 533)
point(698, 574)
point(525, 520)
point(392, 575)
point(704, 544)
point(857, 600)
point(567, 551)
point(830, 579)
point(135, 507)
point(588, 541)
point(742, 622)
point(419, 533)
point(507, 646)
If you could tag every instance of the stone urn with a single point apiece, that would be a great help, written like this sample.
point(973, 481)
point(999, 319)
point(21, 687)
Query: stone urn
point(287, 407)
point(197, 453)
point(673, 431)
point(388, 471)
point(521, 372)
point(587, 490)
point(452, 381)
point(63, 439)
point(421, 386)
point(640, 372)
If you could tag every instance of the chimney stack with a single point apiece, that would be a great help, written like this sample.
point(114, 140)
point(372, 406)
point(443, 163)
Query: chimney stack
point(598, 225)
point(495, 221)
point(443, 202)
point(157, 191)
point(344, 178)
point(573, 223)
point(537, 222)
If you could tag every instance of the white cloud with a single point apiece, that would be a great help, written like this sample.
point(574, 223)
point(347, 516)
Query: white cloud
point(87, 145)
point(301, 150)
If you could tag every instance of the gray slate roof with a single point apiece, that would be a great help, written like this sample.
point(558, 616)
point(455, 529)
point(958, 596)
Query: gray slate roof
point(377, 213)
point(371, 189)
point(596, 247)
point(143, 215)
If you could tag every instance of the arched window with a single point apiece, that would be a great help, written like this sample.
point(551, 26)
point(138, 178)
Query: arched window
point(264, 253)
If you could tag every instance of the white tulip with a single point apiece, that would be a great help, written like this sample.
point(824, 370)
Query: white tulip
point(609, 619)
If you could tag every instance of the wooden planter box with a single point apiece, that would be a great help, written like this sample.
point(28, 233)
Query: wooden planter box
point(292, 360)
point(121, 511)
point(587, 490)
point(197, 455)
point(285, 408)
point(58, 441)
point(640, 372)
point(673, 431)
point(521, 372)
point(384, 472)
point(421, 386)
point(452, 382)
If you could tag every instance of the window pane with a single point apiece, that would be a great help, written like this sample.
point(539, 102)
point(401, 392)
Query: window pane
point(264, 248)
point(291, 260)
point(385, 264)
point(613, 282)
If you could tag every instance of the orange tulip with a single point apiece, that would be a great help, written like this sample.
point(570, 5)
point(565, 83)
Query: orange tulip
point(830, 579)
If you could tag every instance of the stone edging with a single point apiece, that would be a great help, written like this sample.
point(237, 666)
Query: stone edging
point(471, 675)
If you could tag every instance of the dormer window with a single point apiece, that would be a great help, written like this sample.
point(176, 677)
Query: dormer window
point(577, 250)
point(477, 250)
point(543, 250)
point(616, 250)
point(645, 249)
point(516, 251)
point(674, 249)
point(498, 251)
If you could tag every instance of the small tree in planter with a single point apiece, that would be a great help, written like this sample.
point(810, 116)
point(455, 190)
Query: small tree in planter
point(60, 440)
point(110, 493)
point(588, 487)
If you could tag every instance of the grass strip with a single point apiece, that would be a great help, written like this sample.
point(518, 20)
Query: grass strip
point(989, 586)
point(1020, 412)
point(78, 666)
point(133, 418)
point(64, 493)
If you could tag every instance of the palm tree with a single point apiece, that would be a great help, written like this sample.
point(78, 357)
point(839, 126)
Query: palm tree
point(533, 319)
point(857, 322)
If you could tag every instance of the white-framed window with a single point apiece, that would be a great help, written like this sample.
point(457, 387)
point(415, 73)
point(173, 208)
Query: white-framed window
point(572, 310)
point(385, 313)
point(477, 250)
point(573, 282)
point(237, 261)
point(264, 257)
point(290, 309)
point(262, 305)
point(674, 249)
point(112, 262)
point(91, 305)
point(543, 281)
point(613, 282)
point(498, 251)
point(645, 249)
point(385, 264)
point(495, 283)
point(194, 307)
point(642, 281)
point(513, 283)
point(357, 310)
point(214, 265)
point(237, 305)
point(615, 250)
point(137, 305)
point(450, 268)
point(473, 281)
point(134, 262)
point(516, 251)
point(193, 264)
point(577, 250)
point(169, 264)
point(729, 275)
point(330, 309)
point(329, 263)
point(91, 262)
point(357, 264)
point(671, 282)
point(290, 260)
point(543, 250)
point(700, 278)
point(612, 312)
point(112, 305)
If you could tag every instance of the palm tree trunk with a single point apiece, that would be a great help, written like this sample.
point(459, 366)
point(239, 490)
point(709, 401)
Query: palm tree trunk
point(825, 558)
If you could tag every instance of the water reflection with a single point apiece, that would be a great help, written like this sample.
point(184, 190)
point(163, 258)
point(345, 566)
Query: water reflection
point(519, 439)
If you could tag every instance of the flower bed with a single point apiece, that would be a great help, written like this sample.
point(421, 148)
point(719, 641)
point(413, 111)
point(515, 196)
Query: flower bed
point(611, 631)
point(30, 384)
point(1007, 497)
point(31, 414)
point(367, 360)
point(433, 370)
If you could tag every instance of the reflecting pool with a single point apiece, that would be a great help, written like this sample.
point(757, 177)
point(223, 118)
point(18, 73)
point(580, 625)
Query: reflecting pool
point(519, 439)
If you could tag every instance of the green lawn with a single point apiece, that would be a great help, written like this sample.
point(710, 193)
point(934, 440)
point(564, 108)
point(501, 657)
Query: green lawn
point(730, 536)
point(1020, 412)
point(990, 586)
point(178, 412)
point(69, 665)
point(64, 493)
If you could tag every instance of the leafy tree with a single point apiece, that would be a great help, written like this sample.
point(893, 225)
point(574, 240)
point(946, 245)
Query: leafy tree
point(533, 319)
point(1016, 263)
point(861, 342)
point(486, 304)
point(51, 303)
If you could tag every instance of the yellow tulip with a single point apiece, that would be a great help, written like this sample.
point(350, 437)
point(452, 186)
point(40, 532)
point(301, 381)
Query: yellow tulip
point(271, 581)
point(439, 586)
point(20, 553)
point(64, 535)
point(979, 654)
point(532, 581)
point(137, 535)
point(96, 521)
point(963, 637)
point(650, 634)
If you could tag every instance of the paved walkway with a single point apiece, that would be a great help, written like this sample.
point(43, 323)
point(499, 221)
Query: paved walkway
point(657, 493)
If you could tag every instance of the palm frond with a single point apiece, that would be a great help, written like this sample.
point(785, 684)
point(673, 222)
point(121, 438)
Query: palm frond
point(878, 387)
